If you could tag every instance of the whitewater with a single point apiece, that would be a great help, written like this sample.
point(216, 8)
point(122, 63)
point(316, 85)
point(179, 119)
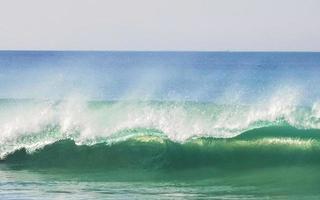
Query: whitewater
point(32, 124)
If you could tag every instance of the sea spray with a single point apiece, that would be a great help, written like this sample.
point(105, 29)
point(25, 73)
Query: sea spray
point(32, 124)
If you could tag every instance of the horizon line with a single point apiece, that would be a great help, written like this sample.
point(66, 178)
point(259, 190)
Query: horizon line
point(161, 51)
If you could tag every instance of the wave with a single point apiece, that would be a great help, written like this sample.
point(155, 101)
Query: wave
point(156, 134)
point(255, 148)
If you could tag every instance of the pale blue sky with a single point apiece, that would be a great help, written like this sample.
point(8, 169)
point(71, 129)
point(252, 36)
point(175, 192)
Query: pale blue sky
point(217, 25)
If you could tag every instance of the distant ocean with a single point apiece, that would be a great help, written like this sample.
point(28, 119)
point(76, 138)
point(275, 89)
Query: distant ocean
point(159, 125)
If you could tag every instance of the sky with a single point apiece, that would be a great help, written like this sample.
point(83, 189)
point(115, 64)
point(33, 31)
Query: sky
point(175, 25)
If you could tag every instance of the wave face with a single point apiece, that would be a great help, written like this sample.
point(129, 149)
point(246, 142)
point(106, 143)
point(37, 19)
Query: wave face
point(157, 153)
point(156, 134)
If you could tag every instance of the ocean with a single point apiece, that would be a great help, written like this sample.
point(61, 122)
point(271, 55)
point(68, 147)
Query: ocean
point(159, 125)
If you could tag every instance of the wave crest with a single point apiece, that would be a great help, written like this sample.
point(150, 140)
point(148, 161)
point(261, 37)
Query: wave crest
point(34, 124)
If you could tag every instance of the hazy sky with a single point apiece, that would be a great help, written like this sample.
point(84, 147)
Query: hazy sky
point(216, 25)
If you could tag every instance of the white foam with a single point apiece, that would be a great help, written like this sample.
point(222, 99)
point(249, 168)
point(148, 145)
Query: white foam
point(35, 124)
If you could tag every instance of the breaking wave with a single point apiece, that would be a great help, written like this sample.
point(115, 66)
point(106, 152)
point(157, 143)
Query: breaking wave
point(154, 134)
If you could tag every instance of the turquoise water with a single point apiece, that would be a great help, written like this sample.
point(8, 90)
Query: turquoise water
point(290, 182)
point(159, 125)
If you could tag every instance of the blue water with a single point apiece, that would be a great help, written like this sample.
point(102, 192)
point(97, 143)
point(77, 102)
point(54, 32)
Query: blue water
point(159, 125)
point(198, 76)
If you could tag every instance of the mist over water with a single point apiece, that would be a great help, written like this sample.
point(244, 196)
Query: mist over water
point(180, 95)
point(215, 77)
